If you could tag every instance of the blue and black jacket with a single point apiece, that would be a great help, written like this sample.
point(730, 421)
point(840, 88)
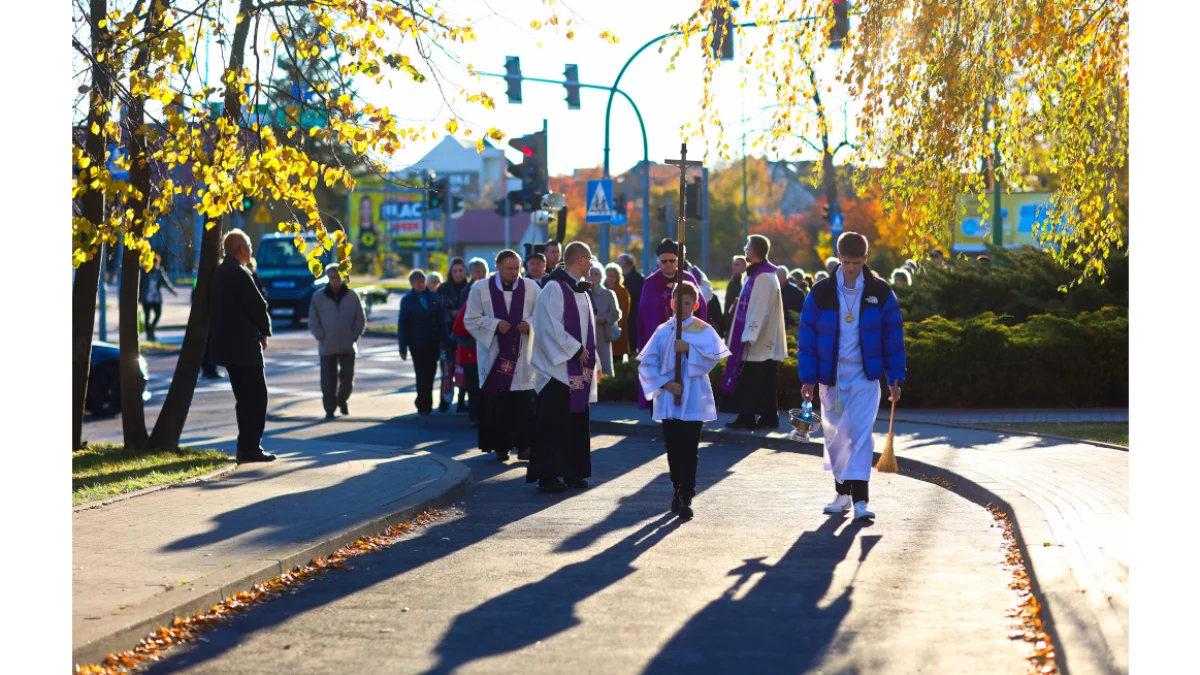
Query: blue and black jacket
point(880, 331)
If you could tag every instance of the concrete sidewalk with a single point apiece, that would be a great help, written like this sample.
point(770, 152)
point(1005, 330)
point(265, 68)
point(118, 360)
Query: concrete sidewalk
point(138, 563)
point(1069, 502)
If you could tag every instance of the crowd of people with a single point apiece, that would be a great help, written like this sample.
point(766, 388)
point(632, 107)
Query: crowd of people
point(526, 345)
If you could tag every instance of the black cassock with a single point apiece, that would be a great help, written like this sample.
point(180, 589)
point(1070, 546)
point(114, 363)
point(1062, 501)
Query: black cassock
point(562, 445)
point(756, 391)
point(505, 420)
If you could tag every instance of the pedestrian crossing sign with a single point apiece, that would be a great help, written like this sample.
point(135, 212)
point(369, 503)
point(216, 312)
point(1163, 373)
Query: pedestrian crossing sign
point(599, 201)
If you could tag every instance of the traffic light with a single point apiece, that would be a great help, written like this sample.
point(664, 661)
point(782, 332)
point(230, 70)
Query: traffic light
point(722, 32)
point(826, 211)
point(619, 204)
point(841, 23)
point(661, 214)
point(571, 73)
point(436, 193)
point(692, 192)
point(512, 65)
point(531, 171)
point(247, 203)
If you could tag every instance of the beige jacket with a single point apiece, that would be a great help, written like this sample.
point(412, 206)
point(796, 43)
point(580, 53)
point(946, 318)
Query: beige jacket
point(336, 325)
point(764, 321)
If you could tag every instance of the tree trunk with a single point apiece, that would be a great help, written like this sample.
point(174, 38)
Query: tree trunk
point(133, 412)
point(168, 428)
point(87, 276)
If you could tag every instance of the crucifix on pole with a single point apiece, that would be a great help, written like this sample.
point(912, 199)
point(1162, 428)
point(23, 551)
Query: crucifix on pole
point(683, 165)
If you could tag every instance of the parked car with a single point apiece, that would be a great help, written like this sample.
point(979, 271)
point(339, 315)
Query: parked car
point(104, 380)
point(284, 271)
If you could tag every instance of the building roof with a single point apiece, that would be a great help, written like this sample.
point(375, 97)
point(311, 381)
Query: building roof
point(484, 226)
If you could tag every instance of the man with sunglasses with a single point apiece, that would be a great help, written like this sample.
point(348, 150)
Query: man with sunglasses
point(655, 305)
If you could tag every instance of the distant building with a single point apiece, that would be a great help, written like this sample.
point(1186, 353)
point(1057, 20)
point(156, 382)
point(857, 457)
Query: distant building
point(478, 178)
point(480, 232)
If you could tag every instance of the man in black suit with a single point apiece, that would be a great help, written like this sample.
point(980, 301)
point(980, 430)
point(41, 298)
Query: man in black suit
point(633, 283)
point(238, 334)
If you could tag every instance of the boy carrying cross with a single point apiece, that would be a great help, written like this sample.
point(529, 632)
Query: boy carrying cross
point(702, 349)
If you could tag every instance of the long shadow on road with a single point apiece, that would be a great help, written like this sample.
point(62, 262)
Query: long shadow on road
point(778, 625)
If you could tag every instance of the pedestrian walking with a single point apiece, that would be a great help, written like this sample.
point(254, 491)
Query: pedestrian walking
point(614, 283)
point(564, 364)
point(452, 294)
point(150, 290)
point(851, 336)
point(702, 350)
point(655, 306)
point(536, 268)
point(793, 297)
point(466, 372)
point(239, 331)
point(608, 316)
point(757, 343)
point(732, 291)
point(499, 311)
point(633, 283)
point(421, 330)
point(336, 319)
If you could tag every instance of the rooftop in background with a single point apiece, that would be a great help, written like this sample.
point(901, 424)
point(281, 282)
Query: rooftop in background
point(484, 226)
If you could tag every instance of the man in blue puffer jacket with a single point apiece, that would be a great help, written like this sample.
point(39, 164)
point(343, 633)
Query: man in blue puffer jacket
point(851, 336)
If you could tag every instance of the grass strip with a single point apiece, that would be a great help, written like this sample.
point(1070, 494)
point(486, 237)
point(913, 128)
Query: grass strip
point(1116, 433)
point(104, 470)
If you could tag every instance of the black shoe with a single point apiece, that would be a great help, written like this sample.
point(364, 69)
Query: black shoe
point(552, 485)
point(685, 508)
point(741, 423)
point(443, 406)
point(345, 409)
point(768, 423)
point(425, 413)
point(212, 375)
point(462, 408)
point(580, 484)
point(502, 455)
point(328, 414)
point(523, 454)
point(675, 502)
point(260, 457)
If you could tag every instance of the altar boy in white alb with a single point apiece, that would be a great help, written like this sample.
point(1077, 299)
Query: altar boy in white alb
point(851, 337)
point(499, 316)
point(702, 350)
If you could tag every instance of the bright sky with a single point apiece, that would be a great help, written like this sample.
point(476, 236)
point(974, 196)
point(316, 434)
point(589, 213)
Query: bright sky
point(576, 137)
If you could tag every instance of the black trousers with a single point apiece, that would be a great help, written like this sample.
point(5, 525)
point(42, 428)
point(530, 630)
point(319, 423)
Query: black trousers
point(151, 324)
point(506, 420)
point(425, 362)
point(250, 391)
point(474, 405)
point(857, 489)
point(337, 380)
point(683, 441)
point(562, 445)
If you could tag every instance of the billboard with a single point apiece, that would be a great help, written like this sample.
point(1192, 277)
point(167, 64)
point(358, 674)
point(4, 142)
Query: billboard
point(385, 218)
point(1020, 212)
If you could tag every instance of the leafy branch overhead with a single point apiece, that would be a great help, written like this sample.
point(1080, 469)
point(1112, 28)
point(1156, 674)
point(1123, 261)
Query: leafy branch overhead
point(219, 145)
point(944, 90)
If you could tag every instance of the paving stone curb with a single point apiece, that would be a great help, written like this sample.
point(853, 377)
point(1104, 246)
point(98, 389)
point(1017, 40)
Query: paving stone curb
point(162, 609)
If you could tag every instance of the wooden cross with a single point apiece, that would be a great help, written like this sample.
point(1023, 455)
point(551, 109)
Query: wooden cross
point(683, 165)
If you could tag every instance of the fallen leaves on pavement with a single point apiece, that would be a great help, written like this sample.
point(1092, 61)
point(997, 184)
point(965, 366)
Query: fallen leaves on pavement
point(186, 629)
point(1027, 616)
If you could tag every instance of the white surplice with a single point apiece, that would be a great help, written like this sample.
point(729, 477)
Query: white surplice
point(849, 445)
point(554, 346)
point(657, 367)
point(764, 328)
point(480, 320)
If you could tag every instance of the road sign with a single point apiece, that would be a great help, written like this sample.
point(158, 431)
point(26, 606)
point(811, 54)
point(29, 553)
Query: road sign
point(262, 215)
point(837, 223)
point(599, 201)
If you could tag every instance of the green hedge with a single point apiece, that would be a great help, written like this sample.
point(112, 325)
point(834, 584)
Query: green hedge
point(980, 362)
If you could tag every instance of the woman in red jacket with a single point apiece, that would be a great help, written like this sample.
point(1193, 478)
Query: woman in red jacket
point(466, 360)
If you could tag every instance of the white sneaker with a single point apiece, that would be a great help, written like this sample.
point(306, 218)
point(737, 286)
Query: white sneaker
point(839, 505)
point(861, 511)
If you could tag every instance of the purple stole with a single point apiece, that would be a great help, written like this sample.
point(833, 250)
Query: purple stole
point(500, 378)
point(579, 375)
point(733, 365)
